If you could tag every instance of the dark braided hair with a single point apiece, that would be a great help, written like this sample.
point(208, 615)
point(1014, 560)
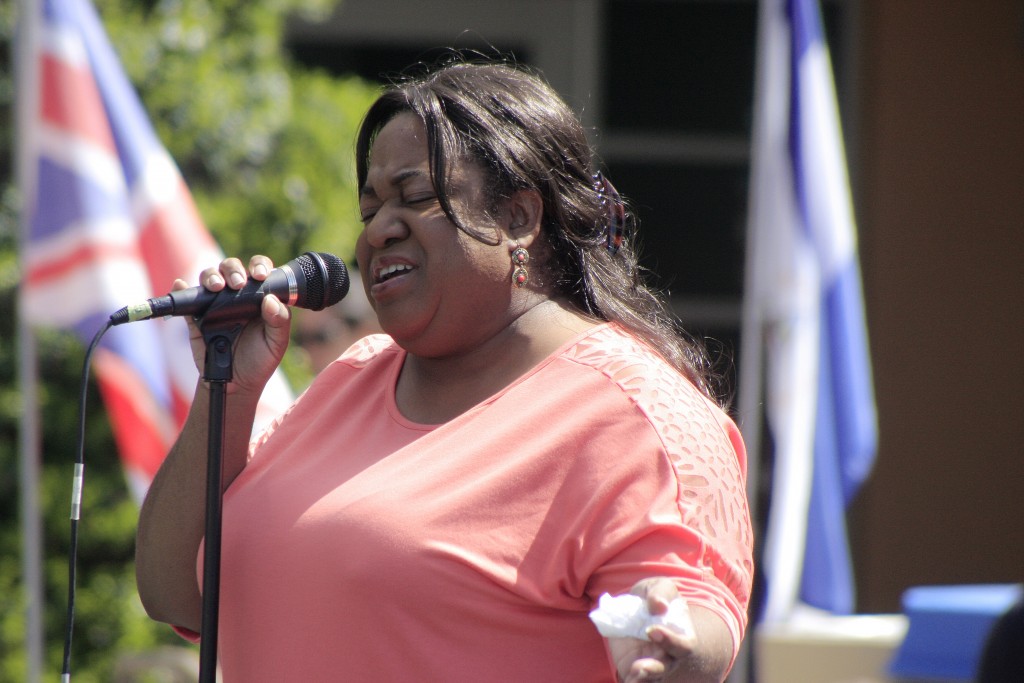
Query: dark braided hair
point(523, 135)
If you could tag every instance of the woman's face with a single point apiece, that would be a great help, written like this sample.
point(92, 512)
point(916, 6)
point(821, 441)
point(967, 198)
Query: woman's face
point(437, 291)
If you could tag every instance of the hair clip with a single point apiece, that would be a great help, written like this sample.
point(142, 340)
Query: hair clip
point(615, 212)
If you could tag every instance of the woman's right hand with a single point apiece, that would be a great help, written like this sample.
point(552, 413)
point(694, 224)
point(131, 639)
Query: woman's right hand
point(172, 517)
point(262, 343)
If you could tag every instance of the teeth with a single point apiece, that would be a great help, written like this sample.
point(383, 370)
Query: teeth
point(392, 269)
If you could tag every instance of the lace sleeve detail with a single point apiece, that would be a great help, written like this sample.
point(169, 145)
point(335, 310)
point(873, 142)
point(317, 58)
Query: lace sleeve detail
point(702, 443)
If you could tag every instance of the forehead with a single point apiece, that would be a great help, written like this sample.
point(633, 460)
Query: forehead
point(400, 144)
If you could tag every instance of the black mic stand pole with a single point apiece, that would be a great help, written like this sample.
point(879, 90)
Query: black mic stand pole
point(220, 336)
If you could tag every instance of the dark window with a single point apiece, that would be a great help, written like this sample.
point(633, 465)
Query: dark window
point(679, 66)
point(692, 223)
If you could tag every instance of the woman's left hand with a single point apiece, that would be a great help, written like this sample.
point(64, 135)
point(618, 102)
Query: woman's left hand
point(657, 659)
point(668, 656)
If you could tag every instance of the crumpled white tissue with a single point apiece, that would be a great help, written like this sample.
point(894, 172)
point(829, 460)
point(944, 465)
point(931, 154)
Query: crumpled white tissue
point(626, 616)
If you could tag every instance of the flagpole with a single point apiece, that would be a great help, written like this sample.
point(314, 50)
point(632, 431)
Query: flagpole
point(750, 403)
point(28, 380)
point(31, 526)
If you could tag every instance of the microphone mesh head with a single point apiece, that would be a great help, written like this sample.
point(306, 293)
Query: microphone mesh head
point(326, 279)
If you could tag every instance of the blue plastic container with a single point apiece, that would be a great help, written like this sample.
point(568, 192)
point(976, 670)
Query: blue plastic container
point(946, 629)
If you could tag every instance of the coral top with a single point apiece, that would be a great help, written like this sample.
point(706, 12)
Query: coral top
point(360, 546)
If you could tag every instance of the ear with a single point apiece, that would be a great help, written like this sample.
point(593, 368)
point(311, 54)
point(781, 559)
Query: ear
point(525, 216)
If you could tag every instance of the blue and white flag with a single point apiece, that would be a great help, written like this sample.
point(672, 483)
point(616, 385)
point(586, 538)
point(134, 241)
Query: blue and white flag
point(804, 317)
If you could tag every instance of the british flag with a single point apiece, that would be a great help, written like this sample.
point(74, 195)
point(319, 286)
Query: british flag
point(108, 221)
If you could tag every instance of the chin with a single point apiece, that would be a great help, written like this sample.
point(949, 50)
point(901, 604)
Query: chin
point(403, 334)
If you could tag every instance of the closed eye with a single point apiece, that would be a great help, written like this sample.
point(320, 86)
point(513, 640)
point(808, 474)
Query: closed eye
point(421, 199)
point(366, 215)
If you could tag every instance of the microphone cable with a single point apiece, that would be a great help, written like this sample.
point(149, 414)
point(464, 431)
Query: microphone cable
point(76, 504)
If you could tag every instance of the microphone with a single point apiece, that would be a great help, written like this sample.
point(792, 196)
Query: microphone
point(314, 280)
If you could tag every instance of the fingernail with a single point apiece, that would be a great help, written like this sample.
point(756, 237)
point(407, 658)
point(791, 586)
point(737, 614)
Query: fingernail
point(215, 280)
point(237, 280)
point(259, 269)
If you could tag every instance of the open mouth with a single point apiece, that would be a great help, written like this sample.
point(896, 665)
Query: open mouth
point(394, 270)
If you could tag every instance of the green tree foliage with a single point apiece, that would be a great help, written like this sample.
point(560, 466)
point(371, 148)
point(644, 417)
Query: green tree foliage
point(266, 148)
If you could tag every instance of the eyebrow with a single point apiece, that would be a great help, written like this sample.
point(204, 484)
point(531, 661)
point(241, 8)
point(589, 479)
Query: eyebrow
point(397, 179)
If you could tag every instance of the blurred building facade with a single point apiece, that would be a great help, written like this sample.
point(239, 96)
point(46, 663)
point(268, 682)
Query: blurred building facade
point(932, 98)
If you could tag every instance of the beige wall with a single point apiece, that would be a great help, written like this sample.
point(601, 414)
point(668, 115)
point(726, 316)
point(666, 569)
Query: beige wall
point(941, 208)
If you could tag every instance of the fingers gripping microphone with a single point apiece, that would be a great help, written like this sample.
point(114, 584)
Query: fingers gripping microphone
point(314, 280)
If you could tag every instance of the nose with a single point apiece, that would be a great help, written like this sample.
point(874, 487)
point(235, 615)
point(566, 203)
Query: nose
point(385, 228)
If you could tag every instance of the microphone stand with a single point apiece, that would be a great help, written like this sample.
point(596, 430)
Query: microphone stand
point(221, 325)
point(220, 335)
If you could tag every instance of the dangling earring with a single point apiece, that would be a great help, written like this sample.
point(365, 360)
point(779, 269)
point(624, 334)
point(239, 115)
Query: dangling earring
point(520, 257)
